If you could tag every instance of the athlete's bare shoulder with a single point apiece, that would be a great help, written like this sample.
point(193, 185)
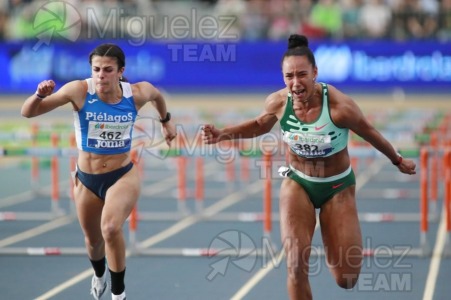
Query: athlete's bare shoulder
point(143, 92)
point(275, 102)
point(342, 107)
point(336, 97)
point(76, 85)
point(73, 91)
point(139, 88)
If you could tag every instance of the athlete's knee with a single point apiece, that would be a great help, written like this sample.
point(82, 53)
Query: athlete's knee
point(297, 275)
point(346, 270)
point(110, 230)
point(94, 243)
point(297, 265)
point(347, 281)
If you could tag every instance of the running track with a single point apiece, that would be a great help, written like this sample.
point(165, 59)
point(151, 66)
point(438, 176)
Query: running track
point(185, 274)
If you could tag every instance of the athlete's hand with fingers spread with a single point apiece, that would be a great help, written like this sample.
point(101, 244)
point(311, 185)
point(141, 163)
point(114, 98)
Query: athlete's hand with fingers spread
point(45, 88)
point(210, 135)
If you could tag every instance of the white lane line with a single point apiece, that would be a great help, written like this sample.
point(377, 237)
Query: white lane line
point(29, 195)
point(16, 199)
point(174, 229)
point(434, 266)
point(67, 284)
point(244, 290)
point(37, 230)
point(210, 211)
point(372, 170)
point(361, 180)
point(154, 188)
point(54, 224)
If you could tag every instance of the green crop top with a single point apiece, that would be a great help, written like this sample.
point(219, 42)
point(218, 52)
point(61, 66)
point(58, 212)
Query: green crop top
point(321, 138)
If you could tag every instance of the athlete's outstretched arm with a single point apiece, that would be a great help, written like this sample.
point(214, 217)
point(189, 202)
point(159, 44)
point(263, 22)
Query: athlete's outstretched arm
point(44, 100)
point(247, 129)
point(350, 116)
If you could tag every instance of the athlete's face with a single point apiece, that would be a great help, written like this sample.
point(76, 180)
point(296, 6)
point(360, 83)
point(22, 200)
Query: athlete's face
point(299, 76)
point(105, 73)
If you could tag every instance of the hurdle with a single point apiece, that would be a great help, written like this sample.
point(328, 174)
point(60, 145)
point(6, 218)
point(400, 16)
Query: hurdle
point(183, 157)
point(257, 216)
point(182, 194)
point(53, 153)
point(72, 168)
point(424, 217)
point(203, 215)
point(35, 135)
point(198, 192)
point(32, 136)
point(133, 218)
point(134, 248)
point(75, 251)
point(265, 216)
point(434, 174)
point(447, 166)
point(55, 193)
point(424, 202)
point(34, 159)
point(267, 196)
point(362, 152)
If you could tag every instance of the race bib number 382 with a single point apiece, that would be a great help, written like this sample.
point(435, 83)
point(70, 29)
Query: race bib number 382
point(109, 135)
point(307, 144)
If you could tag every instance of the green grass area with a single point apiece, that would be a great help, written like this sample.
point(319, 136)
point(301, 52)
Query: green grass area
point(20, 134)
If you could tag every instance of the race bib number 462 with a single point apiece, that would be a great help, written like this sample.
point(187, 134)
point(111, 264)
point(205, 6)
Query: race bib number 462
point(109, 135)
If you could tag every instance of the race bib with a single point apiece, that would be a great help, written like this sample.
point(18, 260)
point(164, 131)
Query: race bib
point(307, 144)
point(109, 135)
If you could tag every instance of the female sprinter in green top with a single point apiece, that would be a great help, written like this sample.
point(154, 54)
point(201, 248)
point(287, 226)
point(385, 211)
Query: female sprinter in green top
point(315, 119)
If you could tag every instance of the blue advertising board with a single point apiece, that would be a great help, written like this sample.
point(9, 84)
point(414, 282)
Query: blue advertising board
point(184, 66)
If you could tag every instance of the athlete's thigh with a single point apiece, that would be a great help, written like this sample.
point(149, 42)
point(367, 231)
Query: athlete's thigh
point(297, 213)
point(122, 196)
point(89, 209)
point(340, 229)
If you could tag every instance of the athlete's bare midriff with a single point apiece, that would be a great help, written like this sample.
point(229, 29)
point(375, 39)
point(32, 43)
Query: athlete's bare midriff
point(92, 163)
point(321, 166)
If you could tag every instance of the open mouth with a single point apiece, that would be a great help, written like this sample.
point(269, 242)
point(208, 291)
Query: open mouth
point(298, 92)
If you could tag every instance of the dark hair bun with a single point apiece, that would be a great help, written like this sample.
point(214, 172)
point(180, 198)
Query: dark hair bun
point(296, 40)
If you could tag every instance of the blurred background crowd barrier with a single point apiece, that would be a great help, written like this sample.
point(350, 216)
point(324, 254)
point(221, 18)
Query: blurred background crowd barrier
point(231, 45)
point(257, 19)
